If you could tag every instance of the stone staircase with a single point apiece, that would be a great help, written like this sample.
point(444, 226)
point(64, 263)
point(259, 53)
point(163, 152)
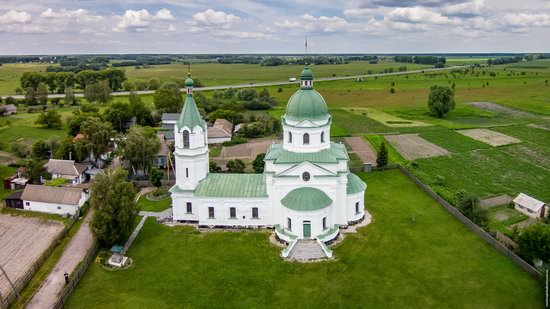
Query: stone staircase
point(307, 250)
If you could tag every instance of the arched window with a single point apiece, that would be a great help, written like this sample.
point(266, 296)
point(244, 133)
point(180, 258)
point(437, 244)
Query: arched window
point(185, 139)
point(290, 137)
point(306, 139)
point(322, 137)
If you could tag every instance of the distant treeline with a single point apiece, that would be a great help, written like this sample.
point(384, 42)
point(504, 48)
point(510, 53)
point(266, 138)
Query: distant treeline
point(437, 61)
point(504, 60)
point(57, 82)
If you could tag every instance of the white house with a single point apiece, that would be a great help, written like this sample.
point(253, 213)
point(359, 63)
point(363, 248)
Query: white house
point(530, 206)
point(53, 200)
point(305, 192)
point(68, 169)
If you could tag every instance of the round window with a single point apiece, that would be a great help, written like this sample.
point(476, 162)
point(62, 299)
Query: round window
point(305, 176)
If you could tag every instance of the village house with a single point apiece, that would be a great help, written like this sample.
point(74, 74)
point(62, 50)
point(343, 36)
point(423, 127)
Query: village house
point(221, 131)
point(68, 169)
point(9, 109)
point(530, 206)
point(53, 200)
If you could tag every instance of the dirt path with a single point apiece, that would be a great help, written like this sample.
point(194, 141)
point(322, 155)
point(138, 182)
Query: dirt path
point(74, 253)
point(362, 149)
point(497, 108)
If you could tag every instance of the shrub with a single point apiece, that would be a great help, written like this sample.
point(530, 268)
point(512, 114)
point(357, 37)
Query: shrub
point(236, 166)
point(382, 158)
point(235, 141)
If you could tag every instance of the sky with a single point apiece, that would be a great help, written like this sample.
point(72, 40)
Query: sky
point(244, 26)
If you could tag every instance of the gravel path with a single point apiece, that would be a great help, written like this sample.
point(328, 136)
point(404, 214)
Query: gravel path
point(74, 253)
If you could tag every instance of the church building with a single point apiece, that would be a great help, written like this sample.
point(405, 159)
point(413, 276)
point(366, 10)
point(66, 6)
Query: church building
point(305, 192)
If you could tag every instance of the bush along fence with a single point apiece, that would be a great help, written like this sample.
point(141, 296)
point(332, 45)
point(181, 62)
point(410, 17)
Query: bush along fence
point(473, 227)
point(76, 275)
point(20, 283)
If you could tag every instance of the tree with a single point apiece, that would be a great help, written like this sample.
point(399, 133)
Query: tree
point(49, 119)
point(154, 84)
point(140, 148)
point(98, 92)
point(155, 177)
point(98, 134)
point(118, 114)
point(40, 151)
point(236, 166)
point(468, 204)
point(42, 93)
point(30, 96)
point(128, 86)
point(247, 94)
point(534, 242)
point(441, 100)
point(69, 98)
point(382, 158)
point(167, 98)
point(141, 111)
point(36, 171)
point(141, 84)
point(115, 208)
point(214, 167)
point(2, 110)
point(66, 150)
point(10, 100)
point(259, 163)
point(20, 149)
point(264, 93)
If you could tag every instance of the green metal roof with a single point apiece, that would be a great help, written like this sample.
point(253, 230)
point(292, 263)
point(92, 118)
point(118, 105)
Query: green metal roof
point(232, 185)
point(190, 115)
point(279, 155)
point(306, 199)
point(306, 74)
point(306, 104)
point(355, 184)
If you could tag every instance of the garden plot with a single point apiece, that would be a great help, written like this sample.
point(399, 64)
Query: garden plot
point(362, 149)
point(385, 118)
point(22, 241)
point(412, 146)
point(490, 137)
point(247, 151)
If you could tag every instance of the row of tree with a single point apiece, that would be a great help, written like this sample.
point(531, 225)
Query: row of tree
point(434, 60)
point(57, 82)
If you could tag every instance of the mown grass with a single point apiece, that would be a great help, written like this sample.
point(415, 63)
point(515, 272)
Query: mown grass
point(156, 206)
point(431, 261)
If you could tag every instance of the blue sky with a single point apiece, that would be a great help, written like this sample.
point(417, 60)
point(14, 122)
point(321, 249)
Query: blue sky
point(242, 26)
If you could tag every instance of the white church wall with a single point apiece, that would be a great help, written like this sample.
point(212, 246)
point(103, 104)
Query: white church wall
point(352, 199)
point(243, 208)
point(299, 218)
point(297, 144)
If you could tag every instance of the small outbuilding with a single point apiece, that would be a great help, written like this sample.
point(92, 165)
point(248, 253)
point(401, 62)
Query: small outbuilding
point(53, 200)
point(530, 206)
point(220, 132)
point(9, 109)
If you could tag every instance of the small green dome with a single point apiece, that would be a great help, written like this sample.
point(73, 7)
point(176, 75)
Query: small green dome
point(306, 74)
point(306, 104)
point(189, 81)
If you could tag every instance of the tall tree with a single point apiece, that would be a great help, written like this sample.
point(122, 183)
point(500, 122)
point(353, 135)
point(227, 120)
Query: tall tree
point(118, 114)
point(40, 151)
point(167, 98)
point(36, 171)
point(140, 148)
point(66, 150)
point(139, 110)
point(441, 100)
point(30, 96)
point(115, 208)
point(42, 93)
point(534, 242)
point(98, 133)
point(382, 158)
point(69, 98)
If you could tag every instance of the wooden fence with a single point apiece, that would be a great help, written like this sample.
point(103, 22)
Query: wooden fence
point(473, 227)
point(76, 275)
point(22, 281)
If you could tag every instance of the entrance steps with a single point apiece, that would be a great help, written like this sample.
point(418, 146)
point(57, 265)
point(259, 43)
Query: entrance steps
point(307, 250)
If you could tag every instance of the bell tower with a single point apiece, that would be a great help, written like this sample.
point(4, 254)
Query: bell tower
point(191, 143)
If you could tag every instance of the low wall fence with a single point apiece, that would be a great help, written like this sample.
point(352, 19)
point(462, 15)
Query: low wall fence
point(74, 278)
point(473, 227)
point(20, 283)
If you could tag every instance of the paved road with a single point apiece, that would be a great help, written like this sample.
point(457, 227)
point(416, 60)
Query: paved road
point(74, 253)
point(266, 84)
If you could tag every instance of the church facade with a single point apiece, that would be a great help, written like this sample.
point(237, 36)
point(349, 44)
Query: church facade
point(305, 192)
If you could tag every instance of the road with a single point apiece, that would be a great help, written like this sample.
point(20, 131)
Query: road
point(74, 253)
point(266, 84)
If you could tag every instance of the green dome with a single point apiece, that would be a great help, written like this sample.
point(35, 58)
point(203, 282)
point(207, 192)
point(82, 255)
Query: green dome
point(306, 104)
point(306, 74)
point(189, 82)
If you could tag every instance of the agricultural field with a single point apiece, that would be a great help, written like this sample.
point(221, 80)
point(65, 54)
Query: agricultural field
point(396, 261)
point(23, 240)
point(11, 72)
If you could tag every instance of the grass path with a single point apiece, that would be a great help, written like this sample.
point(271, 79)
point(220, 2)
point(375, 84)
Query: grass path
point(431, 261)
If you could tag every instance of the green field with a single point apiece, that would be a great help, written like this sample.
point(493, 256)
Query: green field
point(11, 72)
point(431, 261)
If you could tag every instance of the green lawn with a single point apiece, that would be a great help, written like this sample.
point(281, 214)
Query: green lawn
point(433, 261)
point(147, 205)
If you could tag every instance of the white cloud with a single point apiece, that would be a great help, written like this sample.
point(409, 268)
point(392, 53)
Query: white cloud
point(14, 17)
point(215, 18)
point(140, 20)
point(79, 15)
point(359, 13)
point(474, 7)
point(527, 20)
point(311, 23)
point(420, 15)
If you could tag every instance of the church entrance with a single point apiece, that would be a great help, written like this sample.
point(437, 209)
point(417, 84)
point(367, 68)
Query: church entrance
point(307, 229)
